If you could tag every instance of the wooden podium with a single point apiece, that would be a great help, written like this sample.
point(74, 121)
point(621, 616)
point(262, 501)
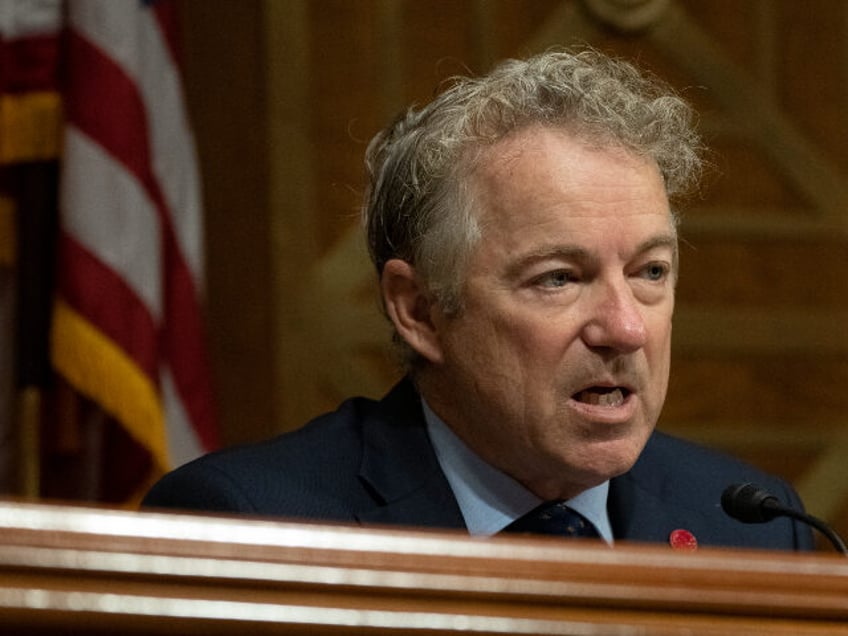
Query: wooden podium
point(71, 570)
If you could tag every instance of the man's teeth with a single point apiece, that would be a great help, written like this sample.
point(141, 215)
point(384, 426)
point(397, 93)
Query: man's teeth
point(602, 397)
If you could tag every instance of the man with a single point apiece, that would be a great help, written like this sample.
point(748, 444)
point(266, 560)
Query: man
point(526, 249)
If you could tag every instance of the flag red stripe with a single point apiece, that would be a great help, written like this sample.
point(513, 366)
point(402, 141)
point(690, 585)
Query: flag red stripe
point(185, 350)
point(105, 104)
point(100, 294)
point(167, 18)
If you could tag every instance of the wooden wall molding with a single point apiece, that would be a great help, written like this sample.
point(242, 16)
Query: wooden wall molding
point(754, 114)
point(627, 15)
point(760, 331)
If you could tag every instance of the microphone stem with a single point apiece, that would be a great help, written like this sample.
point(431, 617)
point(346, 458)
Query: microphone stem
point(819, 525)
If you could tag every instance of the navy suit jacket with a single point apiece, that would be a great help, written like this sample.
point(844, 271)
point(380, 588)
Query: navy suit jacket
point(371, 462)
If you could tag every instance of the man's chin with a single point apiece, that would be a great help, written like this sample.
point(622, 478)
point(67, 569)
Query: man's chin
point(580, 478)
point(612, 461)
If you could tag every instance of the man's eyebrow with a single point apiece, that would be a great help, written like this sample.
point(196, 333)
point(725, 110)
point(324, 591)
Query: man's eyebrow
point(567, 252)
point(663, 240)
point(577, 253)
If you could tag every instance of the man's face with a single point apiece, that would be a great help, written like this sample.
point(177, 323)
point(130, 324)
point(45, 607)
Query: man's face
point(556, 369)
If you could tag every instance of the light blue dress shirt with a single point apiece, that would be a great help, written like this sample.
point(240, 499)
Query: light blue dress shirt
point(489, 499)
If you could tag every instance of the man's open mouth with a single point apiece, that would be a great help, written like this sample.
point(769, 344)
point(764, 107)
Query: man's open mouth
point(603, 396)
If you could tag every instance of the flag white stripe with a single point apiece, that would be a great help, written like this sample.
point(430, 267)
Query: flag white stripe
point(138, 47)
point(107, 210)
point(183, 442)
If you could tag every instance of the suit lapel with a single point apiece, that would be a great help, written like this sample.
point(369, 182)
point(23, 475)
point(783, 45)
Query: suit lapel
point(636, 514)
point(400, 469)
point(646, 504)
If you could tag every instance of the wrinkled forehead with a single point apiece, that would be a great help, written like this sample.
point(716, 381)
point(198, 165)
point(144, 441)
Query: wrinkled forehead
point(543, 166)
point(548, 187)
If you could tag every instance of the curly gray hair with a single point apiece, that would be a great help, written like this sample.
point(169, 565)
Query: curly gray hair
point(416, 207)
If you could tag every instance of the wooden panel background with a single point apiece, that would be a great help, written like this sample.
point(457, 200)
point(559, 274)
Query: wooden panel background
point(285, 95)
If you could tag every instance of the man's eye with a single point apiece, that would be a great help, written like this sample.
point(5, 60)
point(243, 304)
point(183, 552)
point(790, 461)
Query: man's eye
point(558, 278)
point(656, 271)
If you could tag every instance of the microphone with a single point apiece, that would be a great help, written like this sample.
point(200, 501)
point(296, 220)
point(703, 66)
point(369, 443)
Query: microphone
point(750, 503)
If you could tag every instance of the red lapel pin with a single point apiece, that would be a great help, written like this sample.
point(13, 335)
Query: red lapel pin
point(682, 540)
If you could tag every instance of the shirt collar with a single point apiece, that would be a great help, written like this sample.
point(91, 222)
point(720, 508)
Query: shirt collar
point(488, 498)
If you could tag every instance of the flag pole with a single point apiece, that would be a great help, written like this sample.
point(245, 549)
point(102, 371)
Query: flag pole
point(29, 441)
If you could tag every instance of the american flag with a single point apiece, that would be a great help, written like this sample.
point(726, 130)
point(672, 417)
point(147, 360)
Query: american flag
point(127, 329)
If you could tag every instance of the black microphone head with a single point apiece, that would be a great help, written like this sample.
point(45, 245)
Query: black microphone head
point(749, 503)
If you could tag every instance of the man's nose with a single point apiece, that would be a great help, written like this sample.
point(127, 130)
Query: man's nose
point(616, 319)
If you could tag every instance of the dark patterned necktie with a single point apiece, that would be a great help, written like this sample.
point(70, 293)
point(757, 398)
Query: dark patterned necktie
point(554, 517)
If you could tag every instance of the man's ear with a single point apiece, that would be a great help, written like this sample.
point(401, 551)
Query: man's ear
point(408, 306)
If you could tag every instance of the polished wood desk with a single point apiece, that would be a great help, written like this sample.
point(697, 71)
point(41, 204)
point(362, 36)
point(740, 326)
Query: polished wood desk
point(70, 570)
